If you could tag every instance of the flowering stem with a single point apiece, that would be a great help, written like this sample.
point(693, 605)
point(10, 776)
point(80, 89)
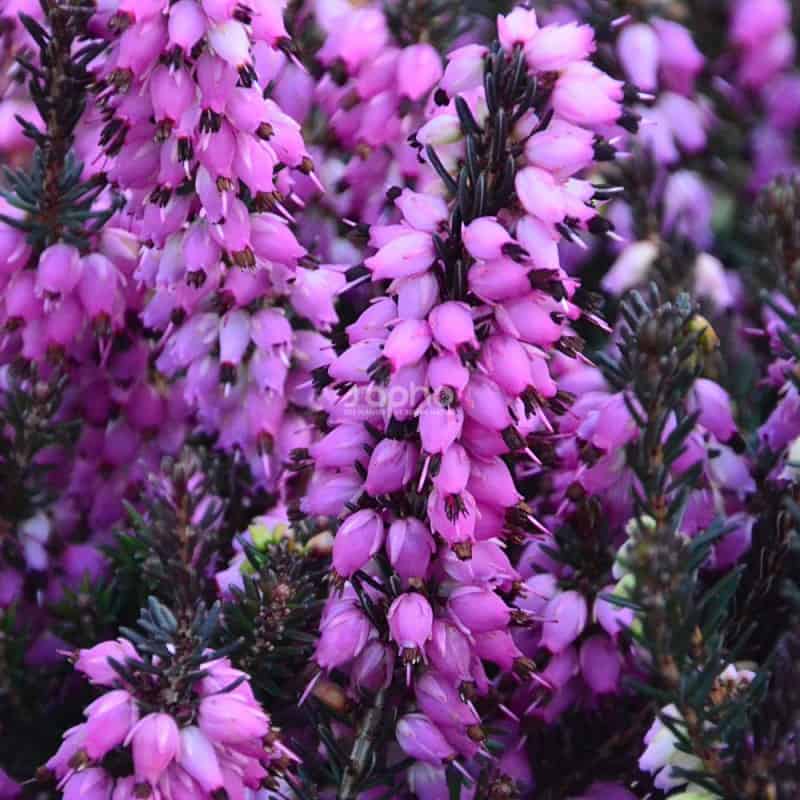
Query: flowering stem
point(360, 754)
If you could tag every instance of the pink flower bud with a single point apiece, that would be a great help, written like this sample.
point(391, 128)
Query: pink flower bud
point(491, 483)
point(681, 61)
point(409, 546)
point(477, 609)
point(561, 148)
point(21, 300)
point(342, 447)
point(638, 51)
point(229, 40)
point(419, 69)
point(485, 237)
point(391, 466)
point(407, 254)
point(714, 405)
point(198, 757)
point(446, 370)
point(500, 279)
point(518, 27)
point(329, 491)
point(407, 343)
point(422, 740)
point(234, 337)
point(410, 622)
point(498, 647)
point(540, 195)
point(372, 670)
point(454, 470)
point(453, 517)
point(110, 719)
point(94, 662)
point(359, 537)
point(565, 619)
point(187, 24)
point(439, 700)
point(172, 92)
point(488, 564)
point(229, 718)
point(373, 322)
point(449, 651)
point(555, 47)
point(99, 287)
point(530, 318)
point(485, 403)
point(273, 240)
point(586, 96)
point(155, 743)
point(59, 270)
point(507, 363)
point(562, 667)
point(452, 326)
point(89, 784)
point(343, 637)
point(423, 212)
point(464, 69)
point(613, 618)
point(539, 590)
point(352, 365)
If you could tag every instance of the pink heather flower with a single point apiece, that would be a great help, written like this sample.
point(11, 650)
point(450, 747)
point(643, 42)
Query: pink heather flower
point(464, 69)
point(109, 720)
point(95, 665)
point(478, 610)
point(638, 50)
point(89, 784)
point(409, 546)
point(518, 27)
point(441, 702)
point(422, 740)
point(391, 466)
point(419, 68)
point(410, 623)
point(449, 651)
point(681, 61)
point(586, 96)
point(565, 618)
point(372, 670)
point(198, 757)
point(59, 270)
point(555, 47)
point(230, 719)
point(486, 238)
point(407, 254)
point(359, 537)
point(342, 638)
point(407, 343)
point(714, 406)
point(155, 743)
point(452, 326)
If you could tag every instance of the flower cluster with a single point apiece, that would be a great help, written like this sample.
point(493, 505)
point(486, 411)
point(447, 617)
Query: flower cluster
point(443, 388)
point(324, 337)
point(208, 164)
point(163, 727)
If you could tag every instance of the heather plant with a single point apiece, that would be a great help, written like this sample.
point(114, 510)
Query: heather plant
point(399, 400)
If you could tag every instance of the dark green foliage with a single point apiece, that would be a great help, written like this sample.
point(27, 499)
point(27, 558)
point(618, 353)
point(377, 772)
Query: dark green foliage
point(56, 202)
